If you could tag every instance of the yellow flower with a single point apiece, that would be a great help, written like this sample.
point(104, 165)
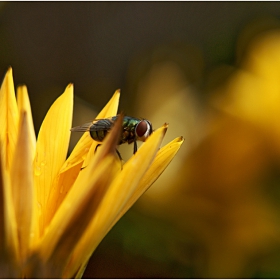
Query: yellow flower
point(251, 92)
point(53, 212)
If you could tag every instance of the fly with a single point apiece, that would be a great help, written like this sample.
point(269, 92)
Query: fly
point(133, 130)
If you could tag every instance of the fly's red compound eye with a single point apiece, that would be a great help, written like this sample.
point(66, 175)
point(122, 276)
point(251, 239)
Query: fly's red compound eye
point(143, 130)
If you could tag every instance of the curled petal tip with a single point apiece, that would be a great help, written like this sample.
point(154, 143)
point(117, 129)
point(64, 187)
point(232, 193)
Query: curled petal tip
point(165, 126)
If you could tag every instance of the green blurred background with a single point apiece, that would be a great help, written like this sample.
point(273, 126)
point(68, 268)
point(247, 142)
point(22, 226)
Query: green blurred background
point(209, 69)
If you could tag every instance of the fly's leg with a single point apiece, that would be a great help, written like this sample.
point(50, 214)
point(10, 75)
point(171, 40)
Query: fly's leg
point(134, 147)
point(96, 147)
point(118, 153)
point(94, 152)
point(120, 157)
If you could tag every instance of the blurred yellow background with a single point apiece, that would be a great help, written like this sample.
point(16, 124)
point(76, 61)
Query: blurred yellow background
point(209, 69)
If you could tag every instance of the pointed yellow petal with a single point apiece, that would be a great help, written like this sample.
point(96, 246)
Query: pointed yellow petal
point(80, 151)
point(115, 199)
point(8, 137)
point(51, 149)
point(9, 213)
point(9, 118)
point(22, 186)
point(24, 106)
point(79, 206)
point(162, 160)
point(111, 107)
point(2, 217)
point(8, 244)
point(25, 109)
point(73, 164)
point(74, 223)
point(60, 188)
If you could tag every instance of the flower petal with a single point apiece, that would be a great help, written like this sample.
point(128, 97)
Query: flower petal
point(8, 138)
point(2, 217)
point(22, 186)
point(9, 118)
point(24, 106)
point(81, 271)
point(73, 164)
point(8, 244)
point(51, 149)
point(162, 160)
point(115, 199)
point(80, 151)
point(81, 203)
point(10, 229)
point(29, 141)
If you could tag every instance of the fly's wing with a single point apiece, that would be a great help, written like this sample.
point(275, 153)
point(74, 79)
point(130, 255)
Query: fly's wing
point(96, 125)
point(82, 128)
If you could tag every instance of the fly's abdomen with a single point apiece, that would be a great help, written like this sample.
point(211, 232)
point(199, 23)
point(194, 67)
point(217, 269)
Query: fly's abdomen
point(98, 135)
point(100, 128)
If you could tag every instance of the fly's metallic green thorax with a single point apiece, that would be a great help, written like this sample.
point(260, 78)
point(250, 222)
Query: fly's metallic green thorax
point(133, 129)
point(129, 129)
